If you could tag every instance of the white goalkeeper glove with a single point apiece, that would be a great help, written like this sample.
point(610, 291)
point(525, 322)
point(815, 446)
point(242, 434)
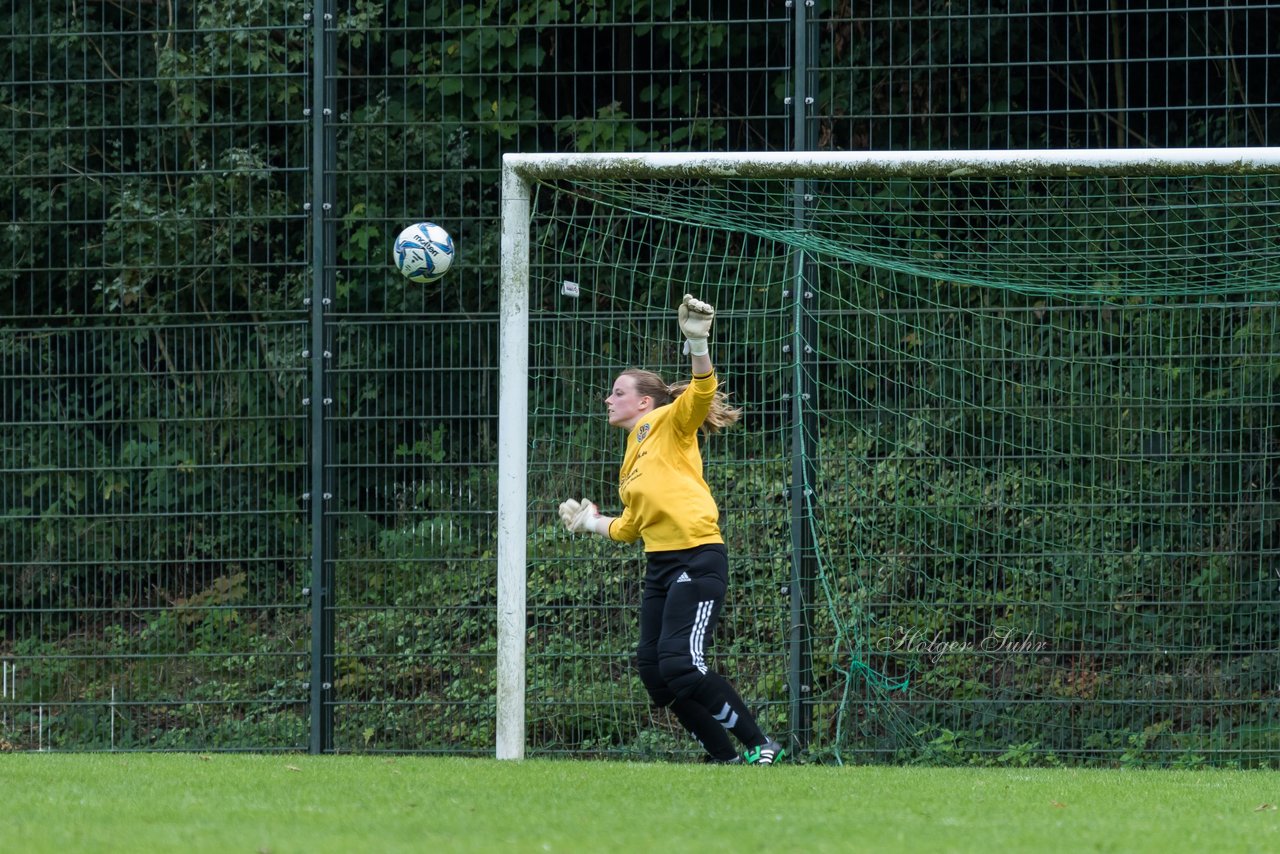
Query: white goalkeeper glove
point(580, 517)
point(695, 318)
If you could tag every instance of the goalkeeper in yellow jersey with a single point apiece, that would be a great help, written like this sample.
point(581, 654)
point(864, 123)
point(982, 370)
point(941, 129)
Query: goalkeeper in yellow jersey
point(667, 503)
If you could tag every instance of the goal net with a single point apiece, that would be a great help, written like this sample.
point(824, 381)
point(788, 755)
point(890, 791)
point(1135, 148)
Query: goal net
point(1007, 483)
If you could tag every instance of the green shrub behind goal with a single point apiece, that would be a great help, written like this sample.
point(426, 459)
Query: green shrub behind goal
point(1007, 488)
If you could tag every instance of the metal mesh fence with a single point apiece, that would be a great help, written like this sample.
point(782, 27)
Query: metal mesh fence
point(246, 470)
point(155, 443)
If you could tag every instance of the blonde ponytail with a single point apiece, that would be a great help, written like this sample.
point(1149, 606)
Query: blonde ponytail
point(649, 384)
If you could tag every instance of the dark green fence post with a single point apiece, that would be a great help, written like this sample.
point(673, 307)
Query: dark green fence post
point(804, 559)
point(319, 207)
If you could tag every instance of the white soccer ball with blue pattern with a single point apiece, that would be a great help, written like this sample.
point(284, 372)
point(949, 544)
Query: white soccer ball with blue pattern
point(423, 252)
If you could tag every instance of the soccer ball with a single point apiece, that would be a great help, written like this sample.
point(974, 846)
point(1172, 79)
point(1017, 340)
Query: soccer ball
point(423, 252)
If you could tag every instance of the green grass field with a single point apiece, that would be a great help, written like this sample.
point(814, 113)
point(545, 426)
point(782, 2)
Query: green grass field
point(164, 802)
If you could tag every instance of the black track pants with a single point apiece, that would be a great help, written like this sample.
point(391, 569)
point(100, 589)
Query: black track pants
point(683, 594)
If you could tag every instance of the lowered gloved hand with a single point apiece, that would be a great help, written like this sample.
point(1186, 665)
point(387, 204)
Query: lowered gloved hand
point(580, 517)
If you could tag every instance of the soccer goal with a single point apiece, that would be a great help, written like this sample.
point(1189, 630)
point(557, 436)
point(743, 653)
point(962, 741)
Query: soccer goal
point(1007, 484)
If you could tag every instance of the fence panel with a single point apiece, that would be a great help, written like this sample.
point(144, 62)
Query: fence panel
point(153, 542)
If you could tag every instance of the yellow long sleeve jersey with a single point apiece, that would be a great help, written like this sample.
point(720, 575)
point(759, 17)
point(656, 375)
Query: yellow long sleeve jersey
point(665, 498)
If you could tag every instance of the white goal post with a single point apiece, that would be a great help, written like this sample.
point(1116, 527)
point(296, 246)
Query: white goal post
point(520, 171)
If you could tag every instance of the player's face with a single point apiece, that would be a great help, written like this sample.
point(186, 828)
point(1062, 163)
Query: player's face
point(625, 405)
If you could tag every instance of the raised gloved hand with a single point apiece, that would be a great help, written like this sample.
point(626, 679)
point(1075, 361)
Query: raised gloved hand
point(695, 318)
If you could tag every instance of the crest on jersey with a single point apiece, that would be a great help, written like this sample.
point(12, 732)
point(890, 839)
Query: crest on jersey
point(642, 432)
